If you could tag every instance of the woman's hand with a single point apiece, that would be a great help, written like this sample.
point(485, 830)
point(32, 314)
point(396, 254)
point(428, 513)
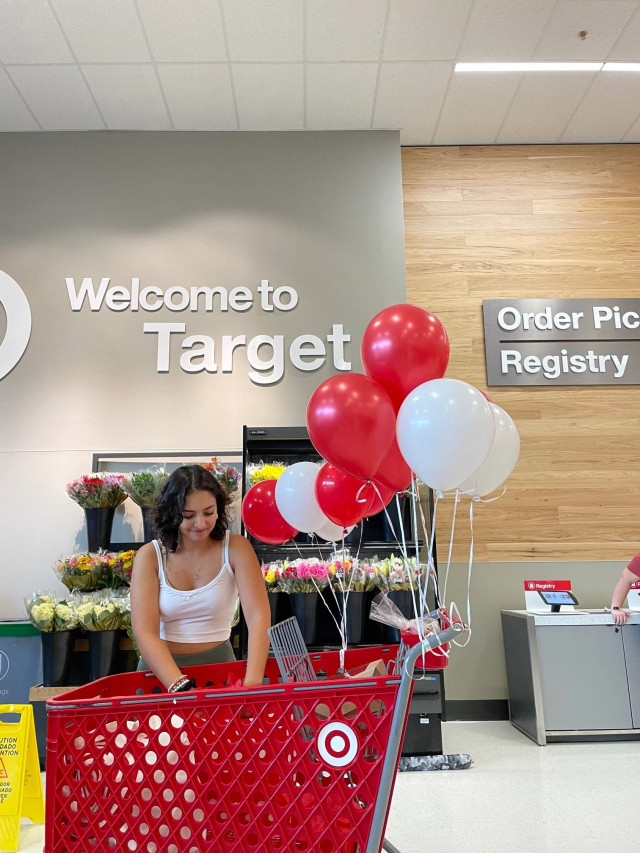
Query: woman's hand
point(619, 616)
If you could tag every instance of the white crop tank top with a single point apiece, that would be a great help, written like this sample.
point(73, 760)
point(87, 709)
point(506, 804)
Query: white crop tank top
point(201, 615)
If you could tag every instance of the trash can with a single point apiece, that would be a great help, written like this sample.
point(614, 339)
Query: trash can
point(20, 661)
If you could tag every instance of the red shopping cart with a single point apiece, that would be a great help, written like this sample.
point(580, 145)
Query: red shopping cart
point(305, 766)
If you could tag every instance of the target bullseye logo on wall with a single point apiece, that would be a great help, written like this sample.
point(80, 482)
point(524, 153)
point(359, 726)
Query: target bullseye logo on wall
point(337, 744)
point(18, 331)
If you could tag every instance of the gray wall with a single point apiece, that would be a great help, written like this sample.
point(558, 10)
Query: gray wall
point(478, 671)
point(317, 212)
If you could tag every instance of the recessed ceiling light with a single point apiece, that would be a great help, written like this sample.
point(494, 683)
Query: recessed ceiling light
point(489, 67)
point(621, 66)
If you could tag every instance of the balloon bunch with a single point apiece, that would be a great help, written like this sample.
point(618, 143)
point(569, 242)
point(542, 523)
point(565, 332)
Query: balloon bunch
point(377, 430)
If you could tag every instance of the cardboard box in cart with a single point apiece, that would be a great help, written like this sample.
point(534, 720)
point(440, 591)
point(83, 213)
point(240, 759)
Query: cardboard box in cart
point(281, 766)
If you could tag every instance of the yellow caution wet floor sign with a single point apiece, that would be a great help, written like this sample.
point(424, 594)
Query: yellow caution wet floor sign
point(20, 784)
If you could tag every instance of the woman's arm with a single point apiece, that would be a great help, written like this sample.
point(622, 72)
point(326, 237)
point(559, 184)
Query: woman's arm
point(255, 605)
point(620, 592)
point(145, 615)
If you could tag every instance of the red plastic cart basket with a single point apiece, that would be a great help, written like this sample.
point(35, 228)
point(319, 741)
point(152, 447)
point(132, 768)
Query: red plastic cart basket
point(280, 767)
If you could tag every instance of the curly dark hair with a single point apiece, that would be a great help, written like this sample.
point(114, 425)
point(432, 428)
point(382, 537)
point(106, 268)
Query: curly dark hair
point(166, 516)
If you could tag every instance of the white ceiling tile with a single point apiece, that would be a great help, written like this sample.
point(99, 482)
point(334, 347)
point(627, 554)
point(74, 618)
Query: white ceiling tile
point(425, 29)
point(264, 32)
point(29, 33)
point(14, 115)
point(269, 97)
point(128, 96)
point(340, 97)
point(543, 105)
point(627, 48)
point(58, 96)
point(410, 98)
point(608, 109)
point(504, 30)
point(199, 96)
point(604, 20)
point(474, 108)
point(345, 30)
point(103, 32)
point(188, 31)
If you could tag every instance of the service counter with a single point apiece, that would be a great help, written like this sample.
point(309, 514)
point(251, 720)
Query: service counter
point(572, 675)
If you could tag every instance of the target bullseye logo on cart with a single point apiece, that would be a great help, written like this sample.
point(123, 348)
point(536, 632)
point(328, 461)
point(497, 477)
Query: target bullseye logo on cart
point(18, 332)
point(337, 744)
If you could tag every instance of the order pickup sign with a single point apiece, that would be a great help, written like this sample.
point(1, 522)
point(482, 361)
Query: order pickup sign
point(533, 601)
point(562, 341)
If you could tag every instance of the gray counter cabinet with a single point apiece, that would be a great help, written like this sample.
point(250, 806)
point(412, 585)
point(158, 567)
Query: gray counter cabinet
point(573, 676)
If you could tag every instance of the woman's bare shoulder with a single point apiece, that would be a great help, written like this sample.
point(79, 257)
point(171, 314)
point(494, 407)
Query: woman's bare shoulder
point(146, 555)
point(240, 545)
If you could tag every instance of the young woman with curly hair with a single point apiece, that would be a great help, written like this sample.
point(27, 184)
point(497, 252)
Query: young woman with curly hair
point(185, 583)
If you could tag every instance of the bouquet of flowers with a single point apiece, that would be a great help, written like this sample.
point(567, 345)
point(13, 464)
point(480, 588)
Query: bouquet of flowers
point(88, 572)
point(303, 575)
point(100, 612)
point(270, 575)
point(121, 565)
point(352, 575)
point(143, 486)
point(96, 490)
point(226, 475)
point(48, 613)
point(262, 471)
point(397, 573)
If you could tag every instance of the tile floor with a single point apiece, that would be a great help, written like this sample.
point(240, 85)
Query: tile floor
point(517, 796)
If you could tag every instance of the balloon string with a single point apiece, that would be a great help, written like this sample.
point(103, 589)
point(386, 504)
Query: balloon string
point(453, 527)
point(419, 608)
point(467, 639)
point(430, 568)
point(360, 500)
point(431, 539)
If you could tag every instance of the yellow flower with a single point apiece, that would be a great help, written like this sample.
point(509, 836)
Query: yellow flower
point(270, 576)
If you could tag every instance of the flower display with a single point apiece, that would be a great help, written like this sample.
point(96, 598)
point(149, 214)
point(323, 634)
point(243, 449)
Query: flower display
point(303, 575)
point(143, 486)
point(269, 471)
point(352, 575)
point(91, 571)
point(121, 565)
point(47, 613)
point(97, 490)
point(227, 475)
point(342, 573)
point(398, 573)
point(99, 612)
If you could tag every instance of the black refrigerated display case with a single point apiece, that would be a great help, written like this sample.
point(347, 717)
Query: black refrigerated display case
point(292, 444)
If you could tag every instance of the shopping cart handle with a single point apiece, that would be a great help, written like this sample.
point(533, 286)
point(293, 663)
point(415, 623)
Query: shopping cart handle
point(433, 641)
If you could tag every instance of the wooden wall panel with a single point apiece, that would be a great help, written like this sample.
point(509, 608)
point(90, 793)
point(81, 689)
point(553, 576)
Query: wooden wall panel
point(534, 222)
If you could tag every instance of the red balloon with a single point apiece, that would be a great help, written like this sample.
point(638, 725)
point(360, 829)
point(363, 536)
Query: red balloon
point(402, 347)
point(344, 499)
point(261, 516)
point(394, 471)
point(351, 423)
point(382, 498)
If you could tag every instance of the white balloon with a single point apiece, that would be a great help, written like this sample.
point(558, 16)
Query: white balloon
point(445, 431)
point(332, 532)
point(501, 460)
point(296, 497)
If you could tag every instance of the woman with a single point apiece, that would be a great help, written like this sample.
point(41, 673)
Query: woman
point(184, 585)
point(629, 576)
